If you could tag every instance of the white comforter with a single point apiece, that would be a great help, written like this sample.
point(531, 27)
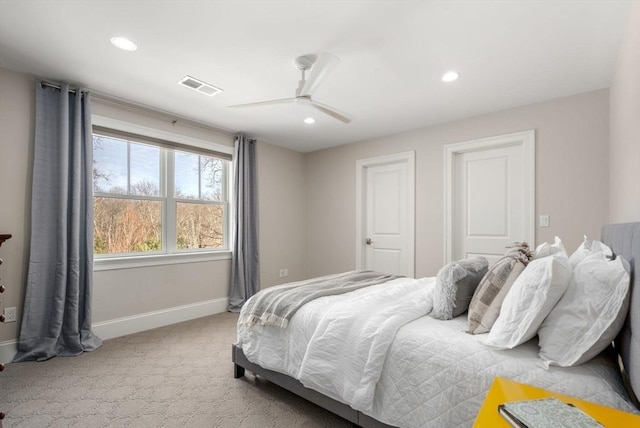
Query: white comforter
point(339, 343)
point(373, 350)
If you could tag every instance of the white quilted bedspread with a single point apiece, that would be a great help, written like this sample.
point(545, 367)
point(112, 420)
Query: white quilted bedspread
point(433, 375)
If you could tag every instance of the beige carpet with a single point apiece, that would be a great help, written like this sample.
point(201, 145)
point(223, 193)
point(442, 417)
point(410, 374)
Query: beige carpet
point(175, 376)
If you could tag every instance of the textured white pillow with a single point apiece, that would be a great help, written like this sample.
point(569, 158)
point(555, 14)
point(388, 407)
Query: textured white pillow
point(545, 249)
point(456, 283)
point(531, 298)
point(589, 315)
point(588, 248)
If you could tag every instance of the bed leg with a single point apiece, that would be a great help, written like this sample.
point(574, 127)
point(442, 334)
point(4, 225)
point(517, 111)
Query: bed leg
point(238, 371)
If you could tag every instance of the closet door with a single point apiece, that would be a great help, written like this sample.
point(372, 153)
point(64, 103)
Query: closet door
point(490, 195)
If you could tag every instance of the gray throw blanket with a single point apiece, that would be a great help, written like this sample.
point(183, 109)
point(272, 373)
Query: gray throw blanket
point(275, 306)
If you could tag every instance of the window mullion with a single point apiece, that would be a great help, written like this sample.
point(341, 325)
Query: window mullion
point(199, 177)
point(224, 174)
point(170, 204)
point(128, 168)
point(127, 197)
point(229, 222)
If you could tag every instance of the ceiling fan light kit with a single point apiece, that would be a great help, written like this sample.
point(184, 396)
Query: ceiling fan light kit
point(320, 67)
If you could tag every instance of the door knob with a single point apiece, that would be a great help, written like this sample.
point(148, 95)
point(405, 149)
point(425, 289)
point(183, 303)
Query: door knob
point(368, 241)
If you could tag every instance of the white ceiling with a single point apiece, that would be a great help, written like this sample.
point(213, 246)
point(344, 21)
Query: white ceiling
point(393, 54)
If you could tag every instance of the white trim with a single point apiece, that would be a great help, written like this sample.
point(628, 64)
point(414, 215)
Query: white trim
point(361, 166)
point(8, 350)
point(150, 320)
point(112, 263)
point(526, 139)
point(134, 324)
point(133, 128)
point(169, 253)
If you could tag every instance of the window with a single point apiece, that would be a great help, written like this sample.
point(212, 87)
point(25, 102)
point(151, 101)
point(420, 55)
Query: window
point(152, 197)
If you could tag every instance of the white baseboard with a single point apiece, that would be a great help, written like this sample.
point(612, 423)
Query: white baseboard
point(141, 322)
point(8, 350)
point(147, 321)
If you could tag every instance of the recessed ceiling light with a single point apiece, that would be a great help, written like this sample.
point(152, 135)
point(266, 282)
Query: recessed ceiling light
point(124, 44)
point(309, 120)
point(450, 76)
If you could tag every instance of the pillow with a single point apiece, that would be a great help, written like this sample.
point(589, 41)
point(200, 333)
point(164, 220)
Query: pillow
point(519, 250)
point(587, 248)
point(487, 299)
point(545, 249)
point(589, 315)
point(455, 285)
point(531, 298)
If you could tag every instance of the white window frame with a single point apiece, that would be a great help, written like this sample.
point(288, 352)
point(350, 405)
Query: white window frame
point(170, 254)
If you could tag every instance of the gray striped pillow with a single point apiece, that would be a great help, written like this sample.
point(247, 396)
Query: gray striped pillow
point(488, 297)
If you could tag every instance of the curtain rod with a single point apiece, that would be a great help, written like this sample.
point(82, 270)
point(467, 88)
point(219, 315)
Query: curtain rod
point(159, 114)
point(149, 111)
point(44, 83)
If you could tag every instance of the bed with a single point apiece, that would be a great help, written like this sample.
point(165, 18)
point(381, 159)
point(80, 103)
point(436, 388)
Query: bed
point(423, 372)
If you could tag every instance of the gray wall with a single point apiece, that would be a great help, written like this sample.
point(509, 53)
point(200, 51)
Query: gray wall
point(17, 116)
point(624, 153)
point(117, 293)
point(281, 194)
point(130, 292)
point(126, 292)
point(571, 178)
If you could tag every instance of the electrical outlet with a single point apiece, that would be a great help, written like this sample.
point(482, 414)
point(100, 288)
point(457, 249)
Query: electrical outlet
point(284, 273)
point(544, 220)
point(10, 314)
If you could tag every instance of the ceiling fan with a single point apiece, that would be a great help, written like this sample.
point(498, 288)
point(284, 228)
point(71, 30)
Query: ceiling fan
point(321, 66)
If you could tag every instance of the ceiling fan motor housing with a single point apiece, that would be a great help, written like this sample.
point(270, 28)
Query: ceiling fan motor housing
point(304, 62)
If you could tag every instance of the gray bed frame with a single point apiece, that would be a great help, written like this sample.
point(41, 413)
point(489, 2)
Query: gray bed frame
point(624, 240)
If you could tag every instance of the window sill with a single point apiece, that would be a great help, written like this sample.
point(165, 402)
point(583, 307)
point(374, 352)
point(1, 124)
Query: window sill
point(113, 263)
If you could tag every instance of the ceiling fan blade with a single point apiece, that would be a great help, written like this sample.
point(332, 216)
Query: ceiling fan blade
point(342, 117)
point(264, 103)
point(323, 66)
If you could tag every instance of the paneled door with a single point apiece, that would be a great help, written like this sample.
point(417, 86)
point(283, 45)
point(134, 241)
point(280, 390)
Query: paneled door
point(491, 196)
point(385, 218)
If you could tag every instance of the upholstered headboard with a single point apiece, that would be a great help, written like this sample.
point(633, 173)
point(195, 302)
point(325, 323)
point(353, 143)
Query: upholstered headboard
point(624, 240)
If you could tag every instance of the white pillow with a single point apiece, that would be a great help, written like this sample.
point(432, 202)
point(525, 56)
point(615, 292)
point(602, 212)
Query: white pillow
point(531, 298)
point(587, 248)
point(589, 315)
point(545, 249)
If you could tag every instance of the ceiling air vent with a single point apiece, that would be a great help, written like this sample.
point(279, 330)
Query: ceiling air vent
point(199, 85)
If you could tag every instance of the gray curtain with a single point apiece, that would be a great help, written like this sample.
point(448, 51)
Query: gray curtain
point(245, 264)
point(56, 319)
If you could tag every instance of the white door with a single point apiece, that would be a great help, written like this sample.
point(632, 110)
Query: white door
point(385, 221)
point(491, 196)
